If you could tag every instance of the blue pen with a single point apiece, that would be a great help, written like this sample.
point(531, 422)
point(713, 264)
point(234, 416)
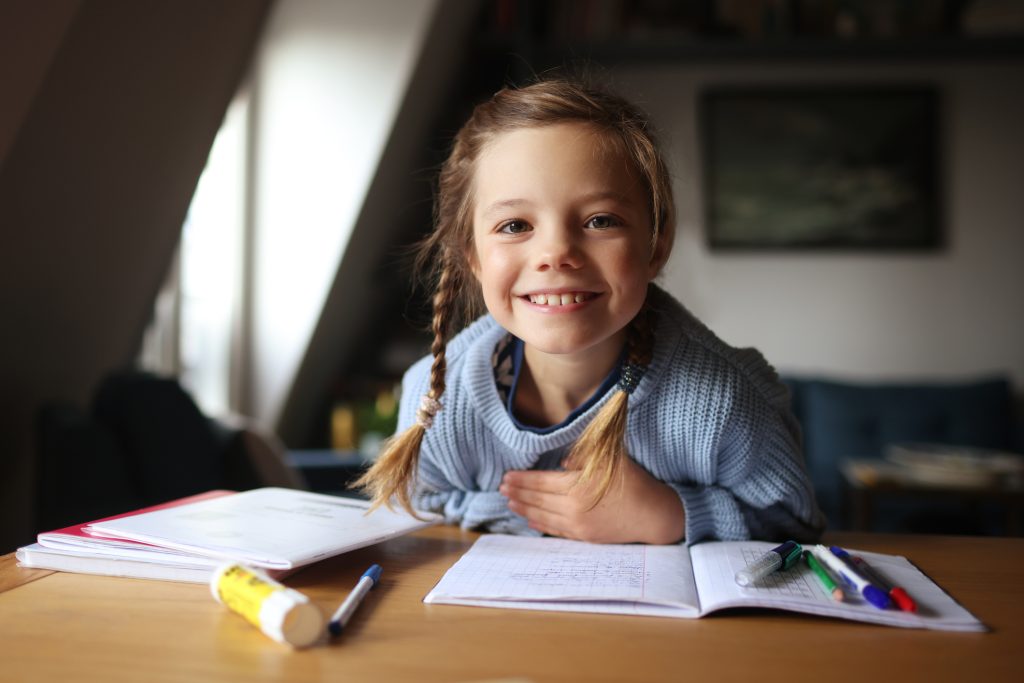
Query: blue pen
point(872, 593)
point(341, 616)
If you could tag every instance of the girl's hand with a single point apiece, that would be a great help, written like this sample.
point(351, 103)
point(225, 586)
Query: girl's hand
point(639, 509)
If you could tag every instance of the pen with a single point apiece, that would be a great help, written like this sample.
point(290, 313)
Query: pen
point(341, 616)
point(781, 557)
point(831, 559)
point(896, 594)
point(824, 576)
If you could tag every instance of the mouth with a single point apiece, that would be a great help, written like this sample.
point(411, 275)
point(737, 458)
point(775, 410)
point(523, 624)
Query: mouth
point(559, 298)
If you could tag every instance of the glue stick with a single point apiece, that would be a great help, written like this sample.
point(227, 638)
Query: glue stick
point(282, 613)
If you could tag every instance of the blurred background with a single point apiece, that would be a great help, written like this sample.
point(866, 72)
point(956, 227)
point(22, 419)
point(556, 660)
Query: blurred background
point(206, 209)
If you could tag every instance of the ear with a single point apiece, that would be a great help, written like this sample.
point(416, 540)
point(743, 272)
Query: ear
point(660, 253)
point(472, 261)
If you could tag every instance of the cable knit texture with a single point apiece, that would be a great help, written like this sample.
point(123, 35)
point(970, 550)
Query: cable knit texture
point(710, 420)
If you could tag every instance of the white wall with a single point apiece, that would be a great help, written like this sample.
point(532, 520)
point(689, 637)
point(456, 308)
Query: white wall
point(329, 82)
point(954, 313)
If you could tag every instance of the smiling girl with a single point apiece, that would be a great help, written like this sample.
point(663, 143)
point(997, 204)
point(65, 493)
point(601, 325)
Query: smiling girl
point(586, 403)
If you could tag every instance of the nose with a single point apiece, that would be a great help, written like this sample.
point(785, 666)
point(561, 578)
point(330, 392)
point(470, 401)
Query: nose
point(557, 249)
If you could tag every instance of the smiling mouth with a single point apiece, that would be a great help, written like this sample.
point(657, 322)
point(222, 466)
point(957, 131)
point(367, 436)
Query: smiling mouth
point(563, 299)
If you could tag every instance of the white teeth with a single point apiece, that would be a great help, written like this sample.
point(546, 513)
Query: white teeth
point(558, 299)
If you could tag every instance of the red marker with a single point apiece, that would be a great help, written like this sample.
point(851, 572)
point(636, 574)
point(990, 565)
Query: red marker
point(896, 594)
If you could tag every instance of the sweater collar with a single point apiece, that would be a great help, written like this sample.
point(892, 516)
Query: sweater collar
point(477, 375)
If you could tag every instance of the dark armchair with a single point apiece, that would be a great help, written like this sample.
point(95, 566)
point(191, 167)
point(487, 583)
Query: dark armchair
point(143, 441)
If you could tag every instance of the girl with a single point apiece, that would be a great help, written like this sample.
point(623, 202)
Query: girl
point(587, 403)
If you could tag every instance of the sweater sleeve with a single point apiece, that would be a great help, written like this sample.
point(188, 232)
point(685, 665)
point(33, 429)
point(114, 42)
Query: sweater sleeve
point(472, 510)
point(760, 488)
point(761, 493)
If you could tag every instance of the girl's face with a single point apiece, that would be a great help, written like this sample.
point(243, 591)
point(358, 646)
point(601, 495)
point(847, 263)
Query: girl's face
point(562, 238)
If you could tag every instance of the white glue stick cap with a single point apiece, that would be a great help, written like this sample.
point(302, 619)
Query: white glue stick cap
point(290, 617)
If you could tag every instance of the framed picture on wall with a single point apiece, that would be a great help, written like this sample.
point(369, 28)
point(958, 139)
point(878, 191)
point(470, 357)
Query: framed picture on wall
point(821, 167)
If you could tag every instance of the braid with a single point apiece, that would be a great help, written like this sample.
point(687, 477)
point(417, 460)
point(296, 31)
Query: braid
point(640, 343)
point(445, 299)
point(600, 452)
point(392, 475)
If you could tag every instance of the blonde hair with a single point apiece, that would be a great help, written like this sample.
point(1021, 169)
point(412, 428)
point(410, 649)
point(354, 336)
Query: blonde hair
point(600, 451)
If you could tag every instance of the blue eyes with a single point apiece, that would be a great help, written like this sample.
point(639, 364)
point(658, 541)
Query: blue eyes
point(602, 221)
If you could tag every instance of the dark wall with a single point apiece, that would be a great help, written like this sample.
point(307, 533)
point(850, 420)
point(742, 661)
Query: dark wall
point(111, 124)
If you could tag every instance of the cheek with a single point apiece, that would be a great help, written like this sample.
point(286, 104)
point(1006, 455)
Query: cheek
point(648, 261)
point(495, 266)
point(632, 266)
point(496, 276)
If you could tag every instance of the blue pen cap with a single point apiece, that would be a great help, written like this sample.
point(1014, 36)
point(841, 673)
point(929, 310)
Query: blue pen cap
point(373, 573)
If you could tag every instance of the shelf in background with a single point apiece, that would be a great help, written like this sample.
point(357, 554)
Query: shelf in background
point(550, 32)
point(683, 50)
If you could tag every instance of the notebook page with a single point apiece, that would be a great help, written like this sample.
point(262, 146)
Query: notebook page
point(797, 589)
point(552, 573)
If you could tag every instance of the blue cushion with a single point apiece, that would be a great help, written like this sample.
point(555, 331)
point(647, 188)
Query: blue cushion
point(841, 420)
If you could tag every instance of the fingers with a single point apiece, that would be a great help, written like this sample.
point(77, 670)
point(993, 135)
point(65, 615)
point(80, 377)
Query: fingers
point(530, 498)
point(548, 501)
point(548, 481)
point(640, 509)
point(547, 522)
point(539, 496)
point(532, 502)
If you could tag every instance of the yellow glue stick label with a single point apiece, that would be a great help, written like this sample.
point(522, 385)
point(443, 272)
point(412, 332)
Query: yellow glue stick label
point(244, 592)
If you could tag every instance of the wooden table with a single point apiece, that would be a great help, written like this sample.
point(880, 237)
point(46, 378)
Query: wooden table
point(66, 627)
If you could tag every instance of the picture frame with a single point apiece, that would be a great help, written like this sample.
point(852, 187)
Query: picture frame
point(821, 167)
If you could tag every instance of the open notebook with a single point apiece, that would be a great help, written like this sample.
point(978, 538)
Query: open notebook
point(672, 581)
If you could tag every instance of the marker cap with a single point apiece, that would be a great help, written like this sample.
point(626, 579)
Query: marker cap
point(902, 600)
point(876, 597)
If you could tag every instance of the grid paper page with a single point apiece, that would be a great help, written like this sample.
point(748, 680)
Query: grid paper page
point(546, 573)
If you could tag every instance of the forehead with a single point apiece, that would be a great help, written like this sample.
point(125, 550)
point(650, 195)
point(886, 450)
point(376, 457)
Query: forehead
point(540, 160)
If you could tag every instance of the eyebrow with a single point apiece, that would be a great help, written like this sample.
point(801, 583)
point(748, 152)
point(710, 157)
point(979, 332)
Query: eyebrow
point(517, 202)
point(504, 204)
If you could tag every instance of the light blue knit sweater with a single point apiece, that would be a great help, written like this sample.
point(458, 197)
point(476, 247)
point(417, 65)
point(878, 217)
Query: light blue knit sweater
point(710, 420)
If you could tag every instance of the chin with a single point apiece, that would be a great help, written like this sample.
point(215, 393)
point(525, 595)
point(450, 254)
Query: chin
point(559, 344)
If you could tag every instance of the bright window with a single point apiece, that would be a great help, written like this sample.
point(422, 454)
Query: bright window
point(196, 332)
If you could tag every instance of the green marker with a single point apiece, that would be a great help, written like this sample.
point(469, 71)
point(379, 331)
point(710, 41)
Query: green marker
point(824, 576)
